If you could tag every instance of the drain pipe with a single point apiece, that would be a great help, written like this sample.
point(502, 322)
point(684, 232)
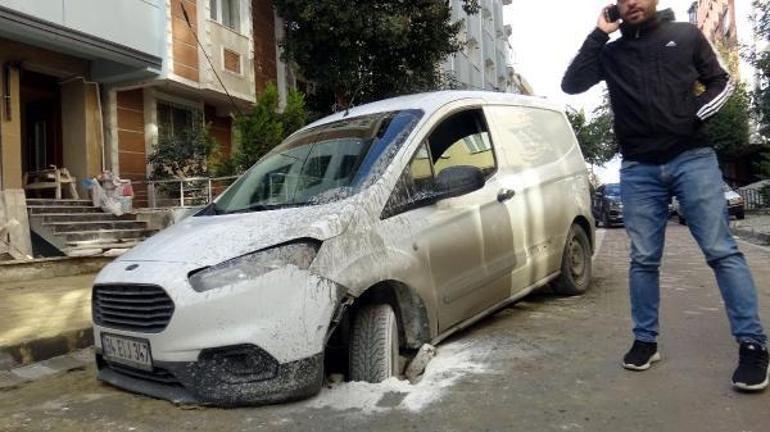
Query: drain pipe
point(7, 110)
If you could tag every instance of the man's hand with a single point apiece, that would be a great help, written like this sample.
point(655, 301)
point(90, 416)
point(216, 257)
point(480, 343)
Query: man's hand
point(606, 26)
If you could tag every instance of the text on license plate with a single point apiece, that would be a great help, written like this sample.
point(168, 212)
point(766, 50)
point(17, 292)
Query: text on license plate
point(128, 351)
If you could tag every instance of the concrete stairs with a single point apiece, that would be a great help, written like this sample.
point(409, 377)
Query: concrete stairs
point(76, 227)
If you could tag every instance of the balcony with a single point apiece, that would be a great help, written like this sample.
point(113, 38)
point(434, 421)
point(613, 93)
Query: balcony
point(123, 41)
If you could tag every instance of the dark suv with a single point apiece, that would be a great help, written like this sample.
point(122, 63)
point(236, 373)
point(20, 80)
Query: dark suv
point(606, 205)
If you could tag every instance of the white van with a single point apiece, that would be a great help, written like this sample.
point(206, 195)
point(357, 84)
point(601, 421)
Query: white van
point(378, 230)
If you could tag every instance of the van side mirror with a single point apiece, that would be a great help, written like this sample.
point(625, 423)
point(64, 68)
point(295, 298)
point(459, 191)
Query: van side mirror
point(458, 180)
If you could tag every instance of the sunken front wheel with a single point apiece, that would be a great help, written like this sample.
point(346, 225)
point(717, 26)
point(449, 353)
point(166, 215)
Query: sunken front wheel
point(575, 274)
point(374, 344)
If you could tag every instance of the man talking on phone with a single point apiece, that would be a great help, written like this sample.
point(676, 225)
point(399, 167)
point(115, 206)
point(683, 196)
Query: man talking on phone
point(650, 72)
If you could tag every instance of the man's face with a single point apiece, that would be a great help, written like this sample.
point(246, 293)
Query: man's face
point(637, 11)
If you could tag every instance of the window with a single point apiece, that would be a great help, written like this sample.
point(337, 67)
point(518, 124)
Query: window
point(726, 24)
point(226, 12)
point(175, 120)
point(232, 61)
point(532, 136)
point(461, 139)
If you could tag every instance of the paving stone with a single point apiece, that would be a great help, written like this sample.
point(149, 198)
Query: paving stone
point(8, 380)
point(33, 371)
point(63, 363)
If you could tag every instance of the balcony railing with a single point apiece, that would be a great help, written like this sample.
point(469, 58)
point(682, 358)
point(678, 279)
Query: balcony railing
point(180, 193)
point(753, 199)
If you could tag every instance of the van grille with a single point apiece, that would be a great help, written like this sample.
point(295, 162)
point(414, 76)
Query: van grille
point(140, 308)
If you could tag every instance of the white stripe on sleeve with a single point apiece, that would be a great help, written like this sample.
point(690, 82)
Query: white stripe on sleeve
point(717, 103)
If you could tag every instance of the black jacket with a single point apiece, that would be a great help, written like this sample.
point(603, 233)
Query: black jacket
point(651, 72)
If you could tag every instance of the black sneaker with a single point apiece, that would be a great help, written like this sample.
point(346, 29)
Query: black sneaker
point(641, 356)
point(751, 374)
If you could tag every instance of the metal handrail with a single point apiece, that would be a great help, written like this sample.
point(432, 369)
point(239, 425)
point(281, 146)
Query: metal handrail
point(188, 193)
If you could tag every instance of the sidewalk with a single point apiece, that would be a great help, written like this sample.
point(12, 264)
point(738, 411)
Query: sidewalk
point(43, 318)
point(755, 228)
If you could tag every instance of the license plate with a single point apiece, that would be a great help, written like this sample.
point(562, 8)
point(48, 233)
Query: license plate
point(128, 351)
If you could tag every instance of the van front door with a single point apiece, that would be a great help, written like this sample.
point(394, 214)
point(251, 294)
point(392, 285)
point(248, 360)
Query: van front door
point(468, 240)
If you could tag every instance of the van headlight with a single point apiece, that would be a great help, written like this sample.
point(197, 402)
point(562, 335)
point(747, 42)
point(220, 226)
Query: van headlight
point(300, 254)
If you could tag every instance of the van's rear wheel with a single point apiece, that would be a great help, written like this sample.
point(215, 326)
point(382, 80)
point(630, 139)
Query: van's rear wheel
point(374, 344)
point(575, 274)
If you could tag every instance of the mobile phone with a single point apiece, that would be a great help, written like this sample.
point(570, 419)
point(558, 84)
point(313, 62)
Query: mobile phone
point(612, 13)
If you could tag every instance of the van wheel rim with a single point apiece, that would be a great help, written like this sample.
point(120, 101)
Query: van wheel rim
point(577, 259)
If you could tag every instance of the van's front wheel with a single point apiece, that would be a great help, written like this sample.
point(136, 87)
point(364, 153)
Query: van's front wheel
point(374, 344)
point(575, 274)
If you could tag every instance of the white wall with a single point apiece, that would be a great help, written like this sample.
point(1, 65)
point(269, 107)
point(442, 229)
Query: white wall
point(132, 23)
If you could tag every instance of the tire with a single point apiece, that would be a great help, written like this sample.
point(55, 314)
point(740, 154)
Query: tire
point(374, 345)
point(575, 277)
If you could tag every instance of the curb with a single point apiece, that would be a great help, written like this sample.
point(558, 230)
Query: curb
point(37, 350)
point(753, 236)
point(46, 268)
point(14, 378)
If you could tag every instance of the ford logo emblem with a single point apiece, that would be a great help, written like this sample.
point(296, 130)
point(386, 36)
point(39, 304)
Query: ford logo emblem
point(132, 267)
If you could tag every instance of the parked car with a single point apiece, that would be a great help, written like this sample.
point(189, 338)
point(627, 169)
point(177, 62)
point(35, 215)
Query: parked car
point(379, 230)
point(607, 206)
point(735, 205)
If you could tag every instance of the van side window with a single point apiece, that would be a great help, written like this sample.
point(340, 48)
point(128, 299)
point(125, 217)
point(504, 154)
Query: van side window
point(531, 136)
point(461, 139)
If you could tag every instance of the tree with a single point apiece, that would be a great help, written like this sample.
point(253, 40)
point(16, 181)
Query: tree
point(366, 50)
point(729, 128)
point(595, 136)
point(183, 155)
point(761, 62)
point(760, 96)
point(266, 126)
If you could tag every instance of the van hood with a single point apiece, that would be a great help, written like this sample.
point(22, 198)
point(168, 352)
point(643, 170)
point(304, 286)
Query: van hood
point(210, 240)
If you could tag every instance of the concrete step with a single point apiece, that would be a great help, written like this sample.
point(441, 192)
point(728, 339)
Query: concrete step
point(59, 203)
point(34, 209)
point(115, 235)
point(89, 245)
point(81, 217)
point(60, 227)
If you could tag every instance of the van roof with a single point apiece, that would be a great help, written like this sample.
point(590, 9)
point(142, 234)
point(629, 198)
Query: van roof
point(433, 101)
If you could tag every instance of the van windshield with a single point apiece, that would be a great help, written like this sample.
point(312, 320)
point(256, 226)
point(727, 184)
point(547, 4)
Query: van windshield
point(322, 164)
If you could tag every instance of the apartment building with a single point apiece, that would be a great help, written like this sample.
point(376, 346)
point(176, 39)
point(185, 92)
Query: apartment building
point(208, 74)
point(485, 61)
point(57, 59)
point(92, 84)
point(716, 18)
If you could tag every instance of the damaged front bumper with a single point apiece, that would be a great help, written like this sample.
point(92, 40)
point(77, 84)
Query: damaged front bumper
point(212, 381)
point(256, 342)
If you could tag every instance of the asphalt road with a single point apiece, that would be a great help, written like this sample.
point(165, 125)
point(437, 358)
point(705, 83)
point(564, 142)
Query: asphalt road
point(545, 364)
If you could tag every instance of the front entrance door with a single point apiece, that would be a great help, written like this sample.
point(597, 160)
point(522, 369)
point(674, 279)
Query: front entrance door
point(40, 121)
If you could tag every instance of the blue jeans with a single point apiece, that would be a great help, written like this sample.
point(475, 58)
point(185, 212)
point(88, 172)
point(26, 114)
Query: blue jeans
point(695, 180)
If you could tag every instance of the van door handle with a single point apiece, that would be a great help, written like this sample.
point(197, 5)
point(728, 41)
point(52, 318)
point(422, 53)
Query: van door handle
point(505, 194)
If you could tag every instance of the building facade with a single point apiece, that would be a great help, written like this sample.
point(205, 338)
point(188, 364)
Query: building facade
point(56, 63)
point(716, 18)
point(485, 61)
point(91, 85)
